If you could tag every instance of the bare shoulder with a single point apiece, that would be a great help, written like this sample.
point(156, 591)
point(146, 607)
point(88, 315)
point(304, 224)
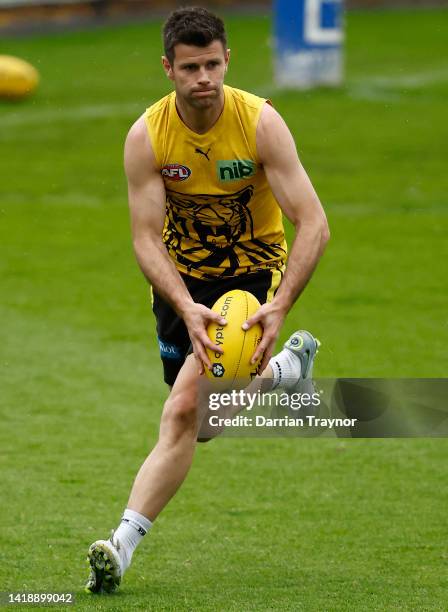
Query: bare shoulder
point(138, 132)
point(270, 120)
point(138, 153)
point(272, 133)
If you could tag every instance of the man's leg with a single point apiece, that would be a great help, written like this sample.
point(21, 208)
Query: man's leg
point(157, 481)
point(167, 465)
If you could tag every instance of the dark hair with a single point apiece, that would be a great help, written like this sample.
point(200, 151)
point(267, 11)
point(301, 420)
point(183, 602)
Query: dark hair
point(192, 26)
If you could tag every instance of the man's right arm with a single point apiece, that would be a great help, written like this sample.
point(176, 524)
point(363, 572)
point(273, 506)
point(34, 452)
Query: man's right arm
point(147, 208)
point(146, 192)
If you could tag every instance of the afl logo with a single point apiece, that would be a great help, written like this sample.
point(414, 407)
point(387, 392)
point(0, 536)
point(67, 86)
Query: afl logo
point(175, 172)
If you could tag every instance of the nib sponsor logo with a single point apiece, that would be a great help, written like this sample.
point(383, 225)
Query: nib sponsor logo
point(235, 169)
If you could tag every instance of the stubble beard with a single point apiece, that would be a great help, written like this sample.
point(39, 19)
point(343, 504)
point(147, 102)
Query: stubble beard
point(203, 103)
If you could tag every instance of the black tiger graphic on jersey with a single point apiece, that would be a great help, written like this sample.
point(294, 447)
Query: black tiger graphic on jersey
point(211, 231)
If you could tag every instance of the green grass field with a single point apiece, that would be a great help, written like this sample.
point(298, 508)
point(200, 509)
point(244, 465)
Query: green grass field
point(278, 524)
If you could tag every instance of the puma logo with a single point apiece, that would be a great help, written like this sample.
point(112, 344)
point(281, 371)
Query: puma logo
point(197, 150)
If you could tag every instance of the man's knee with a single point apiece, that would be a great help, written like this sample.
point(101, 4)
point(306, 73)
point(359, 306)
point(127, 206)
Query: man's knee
point(180, 410)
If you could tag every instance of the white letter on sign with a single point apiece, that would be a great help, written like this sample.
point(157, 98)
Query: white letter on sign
point(314, 33)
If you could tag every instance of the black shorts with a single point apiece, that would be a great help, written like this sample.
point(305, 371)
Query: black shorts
point(174, 341)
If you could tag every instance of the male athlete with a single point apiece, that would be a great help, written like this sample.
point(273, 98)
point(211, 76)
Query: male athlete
point(210, 169)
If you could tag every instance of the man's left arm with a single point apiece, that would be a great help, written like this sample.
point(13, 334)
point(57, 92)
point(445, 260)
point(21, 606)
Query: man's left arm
point(299, 202)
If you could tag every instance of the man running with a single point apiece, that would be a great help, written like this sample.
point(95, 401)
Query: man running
point(210, 171)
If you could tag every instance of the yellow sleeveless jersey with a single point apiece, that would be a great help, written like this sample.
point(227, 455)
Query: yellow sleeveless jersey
point(221, 216)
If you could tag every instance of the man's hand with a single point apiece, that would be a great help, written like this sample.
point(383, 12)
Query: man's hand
point(196, 318)
point(271, 317)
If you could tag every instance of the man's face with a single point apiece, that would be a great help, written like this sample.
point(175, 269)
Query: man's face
point(198, 73)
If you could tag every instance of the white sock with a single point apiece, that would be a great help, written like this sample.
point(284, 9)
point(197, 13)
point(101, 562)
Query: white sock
point(131, 530)
point(286, 369)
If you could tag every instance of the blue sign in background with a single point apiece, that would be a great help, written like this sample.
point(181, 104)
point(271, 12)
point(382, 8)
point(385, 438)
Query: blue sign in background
point(309, 36)
point(296, 29)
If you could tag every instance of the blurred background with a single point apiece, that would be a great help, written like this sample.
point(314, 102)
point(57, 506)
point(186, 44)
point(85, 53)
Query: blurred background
point(20, 15)
point(348, 525)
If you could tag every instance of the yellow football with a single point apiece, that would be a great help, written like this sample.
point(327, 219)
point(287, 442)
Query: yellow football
point(238, 345)
point(17, 77)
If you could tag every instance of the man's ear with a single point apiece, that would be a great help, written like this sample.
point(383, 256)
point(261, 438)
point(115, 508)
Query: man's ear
point(167, 67)
point(227, 58)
